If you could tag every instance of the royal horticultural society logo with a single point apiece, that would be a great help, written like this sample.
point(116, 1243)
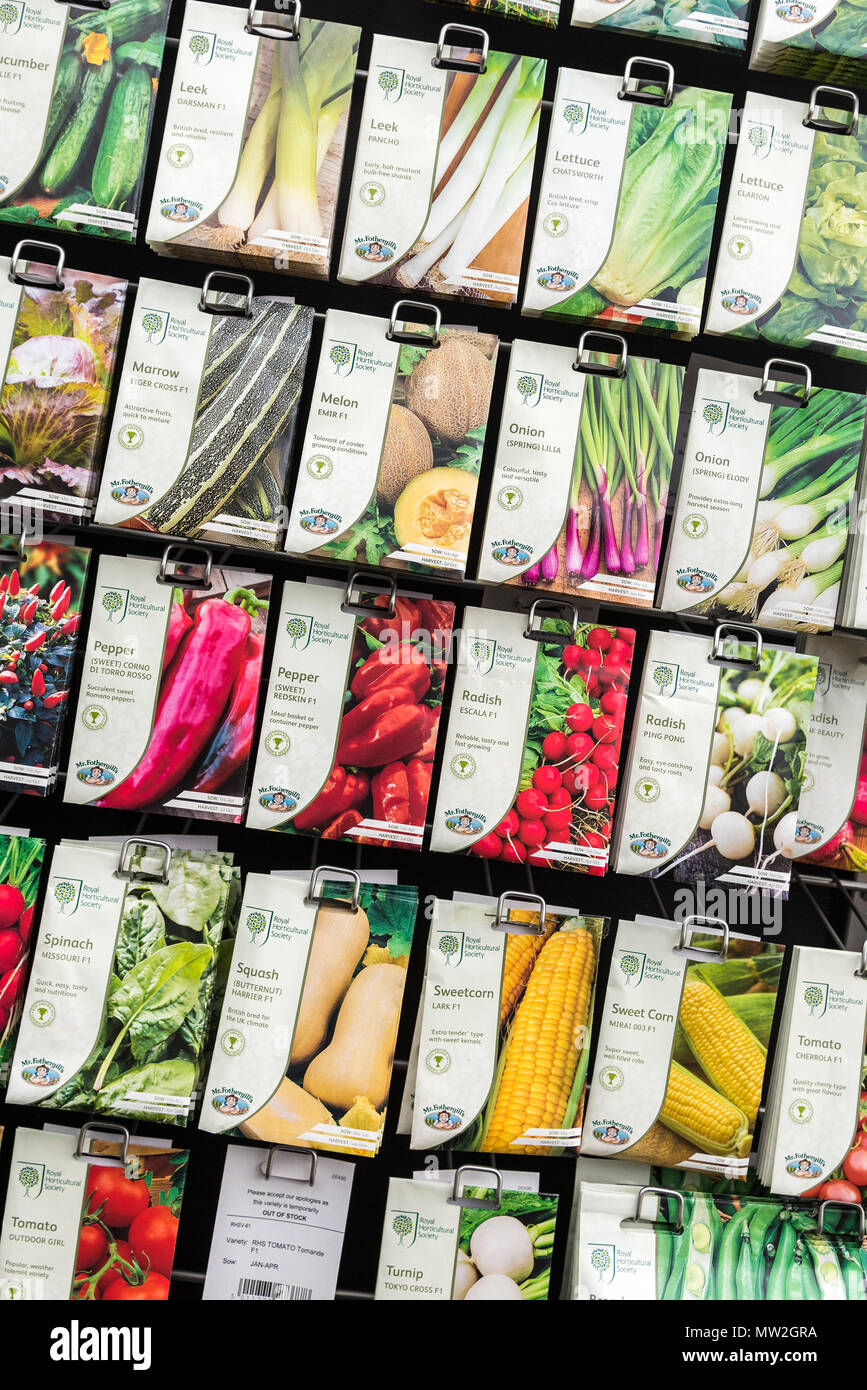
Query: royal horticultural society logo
point(201, 45)
point(529, 388)
point(154, 324)
point(816, 997)
point(342, 357)
point(760, 137)
point(664, 675)
point(404, 1226)
point(481, 653)
point(258, 924)
point(603, 1258)
point(632, 967)
point(11, 15)
point(114, 602)
point(576, 114)
point(715, 415)
point(31, 1176)
point(298, 629)
point(390, 83)
point(450, 944)
point(67, 894)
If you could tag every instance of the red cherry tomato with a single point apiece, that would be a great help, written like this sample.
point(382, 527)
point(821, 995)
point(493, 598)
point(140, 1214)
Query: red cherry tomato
point(92, 1247)
point(855, 1162)
point(121, 1198)
point(154, 1289)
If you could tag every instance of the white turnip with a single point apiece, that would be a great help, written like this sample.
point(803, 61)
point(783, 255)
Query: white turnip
point(751, 689)
point(495, 1286)
point(466, 1275)
point(766, 793)
point(502, 1245)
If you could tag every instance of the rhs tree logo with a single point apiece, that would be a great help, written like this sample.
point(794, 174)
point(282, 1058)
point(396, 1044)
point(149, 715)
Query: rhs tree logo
point(761, 138)
point(575, 115)
point(114, 603)
point(258, 924)
point(31, 1175)
point(10, 14)
point(632, 965)
point(65, 893)
point(341, 355)
point(298, 628)
point(715, 415)
point(390, 82)
point(200, 47)
point(482, 652)
point(602, 1260)
point(153, 322)
point(404, 1225)
point(451, 944)
point(816, 997)
point(529, 388)
point(664, 677)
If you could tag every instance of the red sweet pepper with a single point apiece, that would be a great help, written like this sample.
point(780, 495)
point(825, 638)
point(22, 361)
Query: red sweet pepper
point(402, 625)
point(340, 828)
point(342, 792)
point(400, 792)
point(388, 725)
point(194, 694)
point(389, 667)
point(231, 744)
point(435, 615)
point(180, 623)
point(428, 748)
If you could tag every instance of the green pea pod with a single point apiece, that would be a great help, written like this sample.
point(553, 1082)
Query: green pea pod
point(782, 1265)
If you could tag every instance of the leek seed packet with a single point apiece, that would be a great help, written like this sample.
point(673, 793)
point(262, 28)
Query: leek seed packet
point(529, 766)
point(59, 331)
point(74, 132)
point(21, 859)
point(783, 274)
point(682, 1049)
point(169, 692)
point(627, 240)
point(581, 474)
point(67, 1202)
point(252, 150)
point(817, 39)
point(391, 458)
point(501, 989)
point(761, 523)
point(437, 1247)
point(815, 1090)
point(118, 1003)
point(205, 414)
point(310, 1016)
point(716, 763)
point(716, 23)
point(441, 184)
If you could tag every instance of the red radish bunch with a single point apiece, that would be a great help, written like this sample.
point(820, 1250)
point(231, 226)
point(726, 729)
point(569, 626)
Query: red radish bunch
point(570, 798)
point(16, 922)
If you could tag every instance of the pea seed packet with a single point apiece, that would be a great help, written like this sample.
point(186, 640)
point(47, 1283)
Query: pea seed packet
point(628, 200)
point(582, 471)
point(205, 414)
point(75, 134)
point(781, 274)
point(441, 184)
point(441, 1244)
point(351, 717)
point(716, 763)
point(682, 1048)
point(101, 1216)
point(813, 39)
point(118, 1003)
point(310, 1015)
point(391, 456)
point(530, 762)
point(21, 859)
point(718, 24)
point(170, 688)
point(252, 150)
point(504, 986)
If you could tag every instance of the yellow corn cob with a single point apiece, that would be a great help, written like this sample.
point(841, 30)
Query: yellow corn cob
point(697, 1113)
point(521, 953)
point(542, 1056)
point(729, 1054)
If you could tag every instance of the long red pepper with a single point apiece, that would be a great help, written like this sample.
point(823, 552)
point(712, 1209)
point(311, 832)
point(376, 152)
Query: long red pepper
point(231, 744)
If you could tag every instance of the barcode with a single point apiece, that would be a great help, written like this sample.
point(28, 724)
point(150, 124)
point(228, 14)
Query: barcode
point(266, 1288)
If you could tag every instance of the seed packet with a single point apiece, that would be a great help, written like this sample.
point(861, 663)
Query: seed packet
point(40, 599)
point(443, 206)
point(117, 1007)
point(531, 11)
point(832, 816)
point(682, 1046)
point(75, 135)
point(252, 150)
point(628, 242)
point(279, 1227)
point(101, 1215)
point(20, 872)
point(817, 39)
point(58, 338)
point(351, 715)
point(311, 1011)
point(716, 762)
point(761, 524)
point(226, 377)
point(530, 761)
point(486, 1082)
point(668, 1245)
point(781, 274)
point(168, 698)
point(814, 1090)
point(718, 24)
point(582, 472)
point(391, 457)
point(442, 1242)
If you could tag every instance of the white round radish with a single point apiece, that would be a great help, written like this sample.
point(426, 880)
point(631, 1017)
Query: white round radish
point(729, 718)
point(502, 1245)
point(715, 802)
point(744, 734)
point(495, 1286)
point(750, 689)
point(715, 775)
point(720, 750)
point(733, 835)
point(778, 725)
point(466, 1275)
point(766, 793)
point(784, 835)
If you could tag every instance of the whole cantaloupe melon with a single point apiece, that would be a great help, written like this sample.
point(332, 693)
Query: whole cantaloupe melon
point(406, 453)
point(450, 388)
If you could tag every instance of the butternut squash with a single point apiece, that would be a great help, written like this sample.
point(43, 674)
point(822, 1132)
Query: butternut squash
point(289, 1113)
point(358, 1060)
point(339, 941)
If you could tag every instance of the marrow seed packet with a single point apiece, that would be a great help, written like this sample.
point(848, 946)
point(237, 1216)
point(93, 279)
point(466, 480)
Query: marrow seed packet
point(441, 185)
point(205, 414)
point(117, 1008)
point(90, 1218)
point(310, 1015)
point(169, 693)
point(391, 457)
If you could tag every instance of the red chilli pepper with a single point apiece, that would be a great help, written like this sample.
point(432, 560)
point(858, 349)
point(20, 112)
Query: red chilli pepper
point(392, 666)
point(231, 744)
point(343, 791)
point(8, 678)
point(28, 611)
point(71, 625)
point(340, 828)
point(180, 623)
point(384, 728)
point(193, 697)
point(37, 685)
point(57, 591)
point(59, 608)
point(14, 586)
point(57, 699)
point(34, 643)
